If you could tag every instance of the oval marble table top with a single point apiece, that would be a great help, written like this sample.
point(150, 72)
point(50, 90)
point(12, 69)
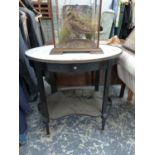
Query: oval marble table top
point(42, 54)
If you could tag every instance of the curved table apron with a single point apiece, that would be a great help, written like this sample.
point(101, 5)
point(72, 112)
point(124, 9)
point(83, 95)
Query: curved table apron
point(73, 62)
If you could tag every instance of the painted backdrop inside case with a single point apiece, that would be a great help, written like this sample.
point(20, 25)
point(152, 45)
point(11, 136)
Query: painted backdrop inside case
point(76, 24)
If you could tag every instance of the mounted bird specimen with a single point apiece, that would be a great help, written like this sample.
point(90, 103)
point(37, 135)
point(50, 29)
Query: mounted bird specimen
point(76, 25)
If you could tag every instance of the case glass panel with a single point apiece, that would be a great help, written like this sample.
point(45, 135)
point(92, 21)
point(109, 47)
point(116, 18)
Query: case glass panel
point(76, 23)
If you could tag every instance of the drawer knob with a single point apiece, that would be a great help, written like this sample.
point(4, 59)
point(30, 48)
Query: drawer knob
point(75, 67)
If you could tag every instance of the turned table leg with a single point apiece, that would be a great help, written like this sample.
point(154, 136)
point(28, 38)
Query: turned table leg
point(43, 103)
point(106, 93)
point(97, 80)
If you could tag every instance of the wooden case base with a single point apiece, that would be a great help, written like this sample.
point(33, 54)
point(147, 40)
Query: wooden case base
point(61, 51)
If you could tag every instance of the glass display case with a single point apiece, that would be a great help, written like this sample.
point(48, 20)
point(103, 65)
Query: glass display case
point(76, 25)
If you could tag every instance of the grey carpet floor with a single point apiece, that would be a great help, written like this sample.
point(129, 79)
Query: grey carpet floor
point(81, 135)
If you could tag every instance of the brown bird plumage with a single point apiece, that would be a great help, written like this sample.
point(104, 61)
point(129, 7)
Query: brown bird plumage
point(75, 24)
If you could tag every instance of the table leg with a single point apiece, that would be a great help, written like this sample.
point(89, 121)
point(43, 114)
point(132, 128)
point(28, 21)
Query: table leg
point(97, 79)
point(53, 82)
point(106, 93)
point(43, 103)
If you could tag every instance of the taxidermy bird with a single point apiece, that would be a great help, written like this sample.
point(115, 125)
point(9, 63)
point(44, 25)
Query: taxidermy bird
point(77, 26)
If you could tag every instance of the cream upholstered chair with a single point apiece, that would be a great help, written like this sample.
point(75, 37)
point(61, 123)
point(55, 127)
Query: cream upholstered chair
point(126, 65)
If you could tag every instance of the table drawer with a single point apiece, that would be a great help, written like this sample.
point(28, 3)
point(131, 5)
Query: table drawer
point(85, 67)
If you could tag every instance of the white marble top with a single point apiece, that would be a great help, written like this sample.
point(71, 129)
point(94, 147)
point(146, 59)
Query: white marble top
point(42, 54)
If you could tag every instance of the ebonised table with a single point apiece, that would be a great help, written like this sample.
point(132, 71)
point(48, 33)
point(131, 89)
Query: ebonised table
point(72, 63)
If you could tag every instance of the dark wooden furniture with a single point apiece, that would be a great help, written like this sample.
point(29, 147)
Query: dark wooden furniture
point(44, 62)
